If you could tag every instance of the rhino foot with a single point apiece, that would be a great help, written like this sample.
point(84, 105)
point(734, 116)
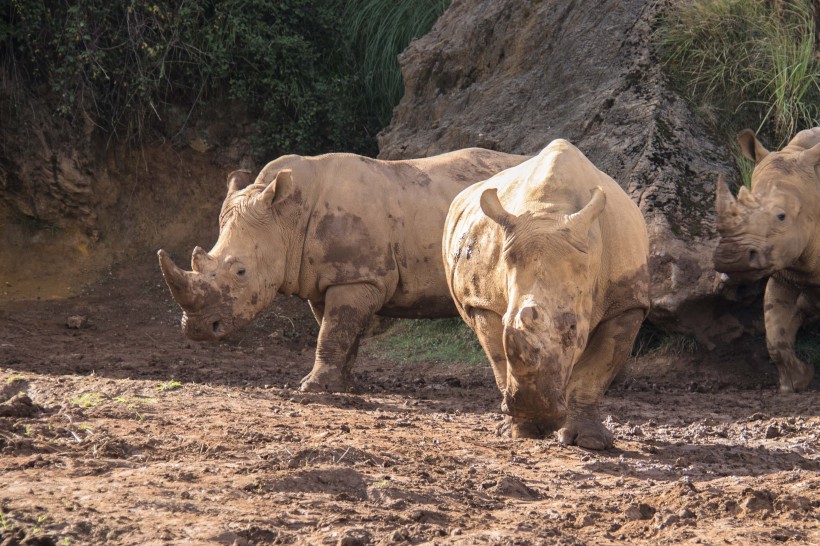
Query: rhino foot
point(796, 379)
point(587, 433)
point(327, 380)
point(512, 428)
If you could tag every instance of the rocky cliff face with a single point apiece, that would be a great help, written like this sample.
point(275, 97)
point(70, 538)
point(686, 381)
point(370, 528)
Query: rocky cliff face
point(512, 76)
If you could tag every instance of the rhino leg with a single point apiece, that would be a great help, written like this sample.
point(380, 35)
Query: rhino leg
point(608, 348)
point(783, 314)
point(318, 311)
point(347, 312)
point(490, 331)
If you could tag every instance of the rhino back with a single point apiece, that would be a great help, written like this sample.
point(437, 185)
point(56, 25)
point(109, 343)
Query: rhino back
point(367, 220)
point(561, 179)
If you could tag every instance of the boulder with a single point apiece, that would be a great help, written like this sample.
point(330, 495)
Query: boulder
point(513, 76)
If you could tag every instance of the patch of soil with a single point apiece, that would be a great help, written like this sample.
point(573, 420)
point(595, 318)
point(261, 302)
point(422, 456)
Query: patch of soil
point(706, 452)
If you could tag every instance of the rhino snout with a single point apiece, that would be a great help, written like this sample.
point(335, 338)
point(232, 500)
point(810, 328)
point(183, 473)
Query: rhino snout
point(204, 328)
point(526, 402)
point(749, 259)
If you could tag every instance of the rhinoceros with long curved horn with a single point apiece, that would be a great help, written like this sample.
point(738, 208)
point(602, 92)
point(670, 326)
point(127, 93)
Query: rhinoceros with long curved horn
point(353, 236)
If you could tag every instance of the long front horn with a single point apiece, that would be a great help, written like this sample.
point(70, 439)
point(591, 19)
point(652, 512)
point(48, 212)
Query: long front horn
point(179, 281)
point(724, 200)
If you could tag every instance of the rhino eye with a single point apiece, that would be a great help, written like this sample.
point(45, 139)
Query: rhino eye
point(240, 272)
point(781, 216)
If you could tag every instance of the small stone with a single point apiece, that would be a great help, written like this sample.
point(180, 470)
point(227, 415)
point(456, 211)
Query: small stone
point(686, 514)
point(772, 431)
point(669, 521)
point(639, 512)
point(76, 322)
point(584, 520)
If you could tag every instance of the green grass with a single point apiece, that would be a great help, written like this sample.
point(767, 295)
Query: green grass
point(652, 341)
point(379, 31)
point(443, 340)
point(745, 63)
point(88, 400)
point(808, 345)
point(171, 385)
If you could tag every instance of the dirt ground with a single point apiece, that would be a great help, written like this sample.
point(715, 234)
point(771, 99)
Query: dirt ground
point(128, 433)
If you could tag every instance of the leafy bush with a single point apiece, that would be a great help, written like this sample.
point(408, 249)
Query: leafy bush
point(293, 63)
point(746, 63)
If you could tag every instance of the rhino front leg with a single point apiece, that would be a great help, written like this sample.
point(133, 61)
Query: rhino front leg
point(347, 310)
point(489, 330)
point(783, 314)
point(605, 354)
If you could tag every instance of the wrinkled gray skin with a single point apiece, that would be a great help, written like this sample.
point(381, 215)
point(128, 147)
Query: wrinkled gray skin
point(547, 262)
point(774, 230)
point(351, 235)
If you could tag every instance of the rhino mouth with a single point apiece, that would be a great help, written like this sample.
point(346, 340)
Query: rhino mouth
point(211, 327)
point(748, 263)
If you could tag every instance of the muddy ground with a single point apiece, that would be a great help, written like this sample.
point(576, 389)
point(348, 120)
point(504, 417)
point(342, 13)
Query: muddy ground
point(127, 433)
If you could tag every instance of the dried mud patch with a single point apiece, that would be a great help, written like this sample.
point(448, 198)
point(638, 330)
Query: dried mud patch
point(143, 437)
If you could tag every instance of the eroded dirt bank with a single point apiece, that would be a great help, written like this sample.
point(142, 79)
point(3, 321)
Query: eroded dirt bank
point(103, 448)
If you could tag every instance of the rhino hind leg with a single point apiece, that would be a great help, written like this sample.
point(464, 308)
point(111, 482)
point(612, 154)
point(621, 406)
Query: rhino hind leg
point(605, 354)
point(783, 314)
point(347, 312)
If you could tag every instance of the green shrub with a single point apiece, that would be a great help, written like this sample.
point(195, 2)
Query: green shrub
point(746, 63)
point(294, 64)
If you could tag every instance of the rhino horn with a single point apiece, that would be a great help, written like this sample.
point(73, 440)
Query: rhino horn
point(724, 200)
point(179, 281)
point(747, 198)
point(591, 210)
point(201, 261)
point(492, 207)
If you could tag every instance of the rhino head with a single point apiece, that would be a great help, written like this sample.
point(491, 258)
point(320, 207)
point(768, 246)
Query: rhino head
point(549, 292)
point(242, 273)
point(768, 228)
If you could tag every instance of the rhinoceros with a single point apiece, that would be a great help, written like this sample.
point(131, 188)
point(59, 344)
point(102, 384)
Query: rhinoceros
point(547, 263)
point(774, 230)
point(351, 235)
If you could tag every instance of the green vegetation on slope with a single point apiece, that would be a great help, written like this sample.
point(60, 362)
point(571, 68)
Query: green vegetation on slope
point(304, 69)
point(746, 63)
point(379, 30)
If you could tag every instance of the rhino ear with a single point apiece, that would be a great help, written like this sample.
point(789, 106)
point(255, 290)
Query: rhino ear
point(238, 180)
point(811, 156)
point(591, 210)
point(750, 147)
point(280, 188)
point(724, 200)
point(492, 207)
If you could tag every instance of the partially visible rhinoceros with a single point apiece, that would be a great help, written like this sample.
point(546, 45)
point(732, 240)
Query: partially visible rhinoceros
point(547, 262)
point(774, 229)
point(352, 235)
